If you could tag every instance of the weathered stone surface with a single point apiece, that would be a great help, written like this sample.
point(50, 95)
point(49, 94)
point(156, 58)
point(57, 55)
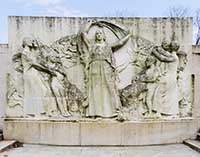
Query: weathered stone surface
point(195, 60)
point(43, 132)
point(128, 68)
point(69, 68)
point(196, 49)
point(92, 133)
point(3, 87)
point(98, 133)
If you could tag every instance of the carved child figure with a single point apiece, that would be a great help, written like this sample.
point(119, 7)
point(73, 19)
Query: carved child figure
point(152, 76)
point(59, 83)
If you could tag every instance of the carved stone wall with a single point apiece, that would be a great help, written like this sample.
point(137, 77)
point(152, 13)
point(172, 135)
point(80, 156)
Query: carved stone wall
point(195, 60)
point(3, 88)
point(68, 76)
point(117, 68)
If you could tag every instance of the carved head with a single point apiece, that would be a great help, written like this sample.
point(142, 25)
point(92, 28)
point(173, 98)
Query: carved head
point(17, 62)
point(31, 42)
point(27, 42)
point(150, 61)
point(100, 35)
point(165, 45)
point(54, 58)
point(175, 45)
point(170, 46)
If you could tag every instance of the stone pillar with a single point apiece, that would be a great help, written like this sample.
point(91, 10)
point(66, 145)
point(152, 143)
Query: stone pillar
point(3, 72)
point(196, 108)
point(195, 61)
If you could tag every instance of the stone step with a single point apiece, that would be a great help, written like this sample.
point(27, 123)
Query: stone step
point(198, 136)
point(194, 144)
point(1, 137)
point(8, 144)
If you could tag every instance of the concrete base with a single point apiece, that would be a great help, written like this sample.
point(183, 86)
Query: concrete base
point(100, 133)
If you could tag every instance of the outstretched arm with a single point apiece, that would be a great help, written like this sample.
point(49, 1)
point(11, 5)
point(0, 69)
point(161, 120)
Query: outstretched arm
point(159, 55)
point(42, 68)
point(120, 43)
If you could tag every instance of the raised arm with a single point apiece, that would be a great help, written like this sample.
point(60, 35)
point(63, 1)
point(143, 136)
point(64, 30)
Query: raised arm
point(84, 33)
point(120, 43)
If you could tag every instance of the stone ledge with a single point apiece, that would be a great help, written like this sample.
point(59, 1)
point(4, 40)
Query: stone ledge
point(194, 144)
point(9, 144)
point(100, 133)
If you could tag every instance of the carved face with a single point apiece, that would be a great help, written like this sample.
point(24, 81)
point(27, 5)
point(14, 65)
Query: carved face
point(17, 62)
point(99, 35)
point(27, 42)
point(175, 46)
point(166, 45)
point(54, 59)
point(18, 66)
point(74, 107)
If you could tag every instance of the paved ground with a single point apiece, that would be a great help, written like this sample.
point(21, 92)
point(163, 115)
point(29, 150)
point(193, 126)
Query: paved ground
point(176, 150)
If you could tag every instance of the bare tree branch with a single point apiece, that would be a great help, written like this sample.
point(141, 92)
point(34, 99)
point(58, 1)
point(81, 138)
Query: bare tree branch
point(197, 24)
point(178, 11)
point(181, 11)
point(121, 13)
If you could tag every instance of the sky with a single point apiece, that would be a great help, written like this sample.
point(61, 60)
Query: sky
point(87, 8)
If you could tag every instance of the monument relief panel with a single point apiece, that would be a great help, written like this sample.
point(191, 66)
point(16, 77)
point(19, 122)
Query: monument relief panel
point(104, 68)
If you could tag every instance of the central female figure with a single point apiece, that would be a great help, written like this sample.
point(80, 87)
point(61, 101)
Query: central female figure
point(103, 98)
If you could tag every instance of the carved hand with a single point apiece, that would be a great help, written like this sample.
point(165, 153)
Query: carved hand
point(130, 33)
point(99, 24)
point(91, 22)
point(52, 73)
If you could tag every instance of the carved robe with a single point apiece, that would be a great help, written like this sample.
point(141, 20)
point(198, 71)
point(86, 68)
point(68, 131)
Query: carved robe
point(38, 99)
point(102, 92)
point(166, 95)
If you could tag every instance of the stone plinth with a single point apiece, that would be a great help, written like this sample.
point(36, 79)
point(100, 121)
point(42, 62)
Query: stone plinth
point(99, 133)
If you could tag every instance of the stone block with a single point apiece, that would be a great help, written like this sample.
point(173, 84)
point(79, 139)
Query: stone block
point(143, 133)
point(43, 132)
point(101, 133)
point(98, 133)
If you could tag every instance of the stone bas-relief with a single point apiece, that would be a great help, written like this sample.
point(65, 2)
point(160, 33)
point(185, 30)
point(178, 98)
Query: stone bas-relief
point(40, 84)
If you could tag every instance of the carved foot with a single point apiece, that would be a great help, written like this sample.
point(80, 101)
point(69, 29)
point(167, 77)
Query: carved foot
point(67, 114)
point(29, 116)
point(168, 117)
point(152, 115)
point(157, 115)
